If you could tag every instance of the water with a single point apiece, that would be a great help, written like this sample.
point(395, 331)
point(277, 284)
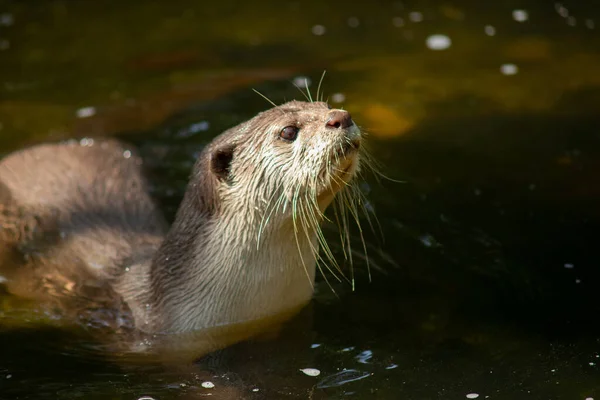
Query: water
point(486, 281)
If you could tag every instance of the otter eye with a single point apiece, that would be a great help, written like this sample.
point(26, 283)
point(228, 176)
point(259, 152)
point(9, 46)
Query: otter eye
point(289, 133)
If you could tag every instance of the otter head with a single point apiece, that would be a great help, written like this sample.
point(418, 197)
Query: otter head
point(290, 159)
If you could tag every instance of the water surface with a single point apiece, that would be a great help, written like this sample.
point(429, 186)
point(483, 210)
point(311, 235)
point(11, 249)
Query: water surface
point(486, 279)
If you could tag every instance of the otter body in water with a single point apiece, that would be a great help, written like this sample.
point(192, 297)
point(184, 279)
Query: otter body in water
point(244, 242)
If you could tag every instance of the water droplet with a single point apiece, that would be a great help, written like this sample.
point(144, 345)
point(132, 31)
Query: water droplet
point(207, 385)
point(86, 142)
point(520, 15)
point(398, 22)
point(415, 16)
point(302, 81)
point(255, 389)
point(353, 22)
point(489, 30)
point(86, 112)
point(127, 154)
point(319, 30)
point(6, 19)
point(509, 69)
point(472, 395)
point(561, 10)
point(438, 42)
point(311, 371)
point(338, 98)
point(146, 398)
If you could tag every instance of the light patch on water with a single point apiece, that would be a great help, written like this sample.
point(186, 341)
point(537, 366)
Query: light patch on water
point(392, 366)
point(315, 345)
point(438, 42)
point(489, 30)
point(146, 398)
point(6, 19)
point(364, 357)
point(302, 81)
point(318, 30)
point(472, 395)
point(207, 385)
point(561, 10)
point(589, 398)
point(571, 21)
point(8, 376)
point(415, 16)
point(578, 281)
point(347, 349)
point(342, 377)
point(311, 371)
point(194, 128)
point(398, 22)
point(520, 15)
point(589, 23)
point(569, 266)
point(255, 389)
point(338, 98)
point(353, 22)
point(86, 112)
point(509, 69)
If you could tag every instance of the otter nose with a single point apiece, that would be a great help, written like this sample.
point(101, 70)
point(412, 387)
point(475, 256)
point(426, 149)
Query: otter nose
point(339, 119)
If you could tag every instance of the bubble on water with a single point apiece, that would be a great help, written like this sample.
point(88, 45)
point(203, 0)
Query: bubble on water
point(146, 398)
point(520, 15)
point(509, 69)
point(311, 371)
point(338, 98)
point(589, 23)
point(207, 385)
point(438, 42)
point(472, 395)
point(318, 30)
point(86, 112)
point(4, 44)
point(353, 22)
point(302, 81)
point(398, 22)
point(6, 19)
point(415, 16)
point(489, 30)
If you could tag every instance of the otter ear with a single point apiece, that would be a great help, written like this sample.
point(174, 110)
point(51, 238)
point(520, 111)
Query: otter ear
point(220, 160)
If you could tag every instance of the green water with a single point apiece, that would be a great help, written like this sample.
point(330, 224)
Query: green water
point(487, 278)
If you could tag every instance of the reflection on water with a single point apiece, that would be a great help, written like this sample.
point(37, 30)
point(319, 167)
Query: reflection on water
point(485, 282)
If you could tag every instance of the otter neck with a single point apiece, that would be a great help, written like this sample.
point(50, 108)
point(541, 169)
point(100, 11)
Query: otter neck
point(217, 271)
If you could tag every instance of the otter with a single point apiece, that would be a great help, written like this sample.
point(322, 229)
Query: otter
point(244, 242)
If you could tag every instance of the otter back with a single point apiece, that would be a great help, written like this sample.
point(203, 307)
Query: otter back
point(77, 204)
